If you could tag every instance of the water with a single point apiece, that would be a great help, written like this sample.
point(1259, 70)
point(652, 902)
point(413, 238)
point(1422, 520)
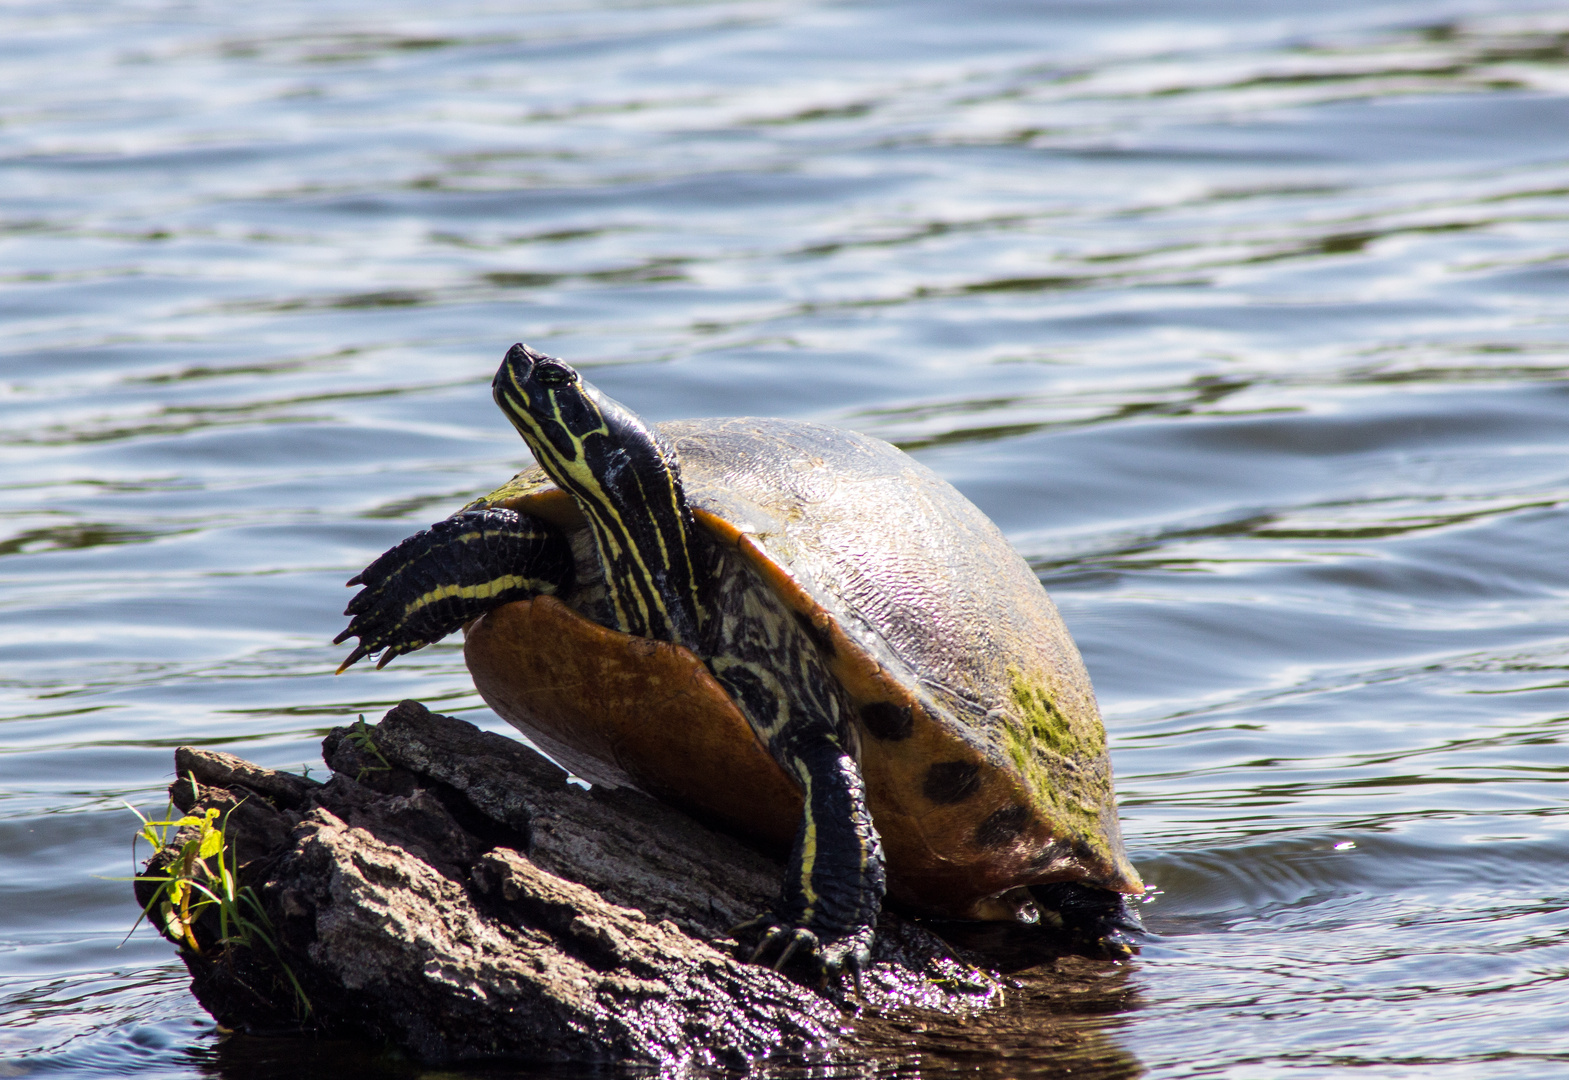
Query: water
point(1244, 321)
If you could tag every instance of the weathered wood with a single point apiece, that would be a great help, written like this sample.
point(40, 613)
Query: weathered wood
point(448, 892)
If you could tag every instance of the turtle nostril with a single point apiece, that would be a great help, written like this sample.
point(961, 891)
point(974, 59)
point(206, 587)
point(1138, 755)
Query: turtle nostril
point(519, 361)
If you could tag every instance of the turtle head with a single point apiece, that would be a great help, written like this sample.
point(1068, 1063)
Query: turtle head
point(626, 480)
point(547, 401)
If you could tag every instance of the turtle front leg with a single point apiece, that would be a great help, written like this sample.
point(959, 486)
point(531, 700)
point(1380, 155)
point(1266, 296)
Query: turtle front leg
point(833, 888)
point(438, 579)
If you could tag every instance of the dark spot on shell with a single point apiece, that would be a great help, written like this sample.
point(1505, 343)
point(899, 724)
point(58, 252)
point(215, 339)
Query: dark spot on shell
point(819, 635)
point(951, 781)
point(887, 721)
point(1045, 857)
point(1002, 827)
point(1083, 851)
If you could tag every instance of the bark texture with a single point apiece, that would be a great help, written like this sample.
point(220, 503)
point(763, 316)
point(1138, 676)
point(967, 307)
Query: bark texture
point(448, 892)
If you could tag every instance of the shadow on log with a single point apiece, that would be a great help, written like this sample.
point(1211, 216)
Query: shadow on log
point(448, 893)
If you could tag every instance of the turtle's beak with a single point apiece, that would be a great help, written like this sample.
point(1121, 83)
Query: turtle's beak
point(515, 370)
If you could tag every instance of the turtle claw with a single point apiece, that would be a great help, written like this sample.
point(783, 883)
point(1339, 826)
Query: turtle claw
point(793, 937)
point(796, 941)
point(747, 926)
point(359, 653)
point(830, 960)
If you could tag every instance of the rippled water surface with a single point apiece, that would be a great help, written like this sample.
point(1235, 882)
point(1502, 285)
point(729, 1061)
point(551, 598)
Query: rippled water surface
point(1246, 321)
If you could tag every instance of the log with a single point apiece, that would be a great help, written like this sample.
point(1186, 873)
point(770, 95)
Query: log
point(450, 893)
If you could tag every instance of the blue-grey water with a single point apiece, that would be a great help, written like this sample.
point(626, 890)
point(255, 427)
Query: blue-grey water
point(1247, 321)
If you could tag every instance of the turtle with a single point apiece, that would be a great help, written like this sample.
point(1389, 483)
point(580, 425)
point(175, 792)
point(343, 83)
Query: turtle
point(793, 631)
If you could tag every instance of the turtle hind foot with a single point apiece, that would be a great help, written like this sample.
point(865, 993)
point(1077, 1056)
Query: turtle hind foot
point(1097, 923)
point(826, 960)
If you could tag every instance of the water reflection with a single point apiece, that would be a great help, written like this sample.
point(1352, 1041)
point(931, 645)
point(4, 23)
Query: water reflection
point(1058, 1021)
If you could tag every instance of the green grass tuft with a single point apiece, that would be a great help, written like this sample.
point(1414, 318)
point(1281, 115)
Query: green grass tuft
point(360, 736)
point(200, 875)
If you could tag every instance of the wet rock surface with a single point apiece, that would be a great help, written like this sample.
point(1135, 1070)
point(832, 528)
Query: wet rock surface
point(449, 893)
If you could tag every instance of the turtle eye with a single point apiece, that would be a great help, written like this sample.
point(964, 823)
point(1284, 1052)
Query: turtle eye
point(553, 375)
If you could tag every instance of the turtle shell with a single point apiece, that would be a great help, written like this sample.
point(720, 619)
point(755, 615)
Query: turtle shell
point(979, 737)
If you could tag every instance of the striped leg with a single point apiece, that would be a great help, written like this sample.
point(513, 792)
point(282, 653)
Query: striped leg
point(456, 570)
point(833, 887)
